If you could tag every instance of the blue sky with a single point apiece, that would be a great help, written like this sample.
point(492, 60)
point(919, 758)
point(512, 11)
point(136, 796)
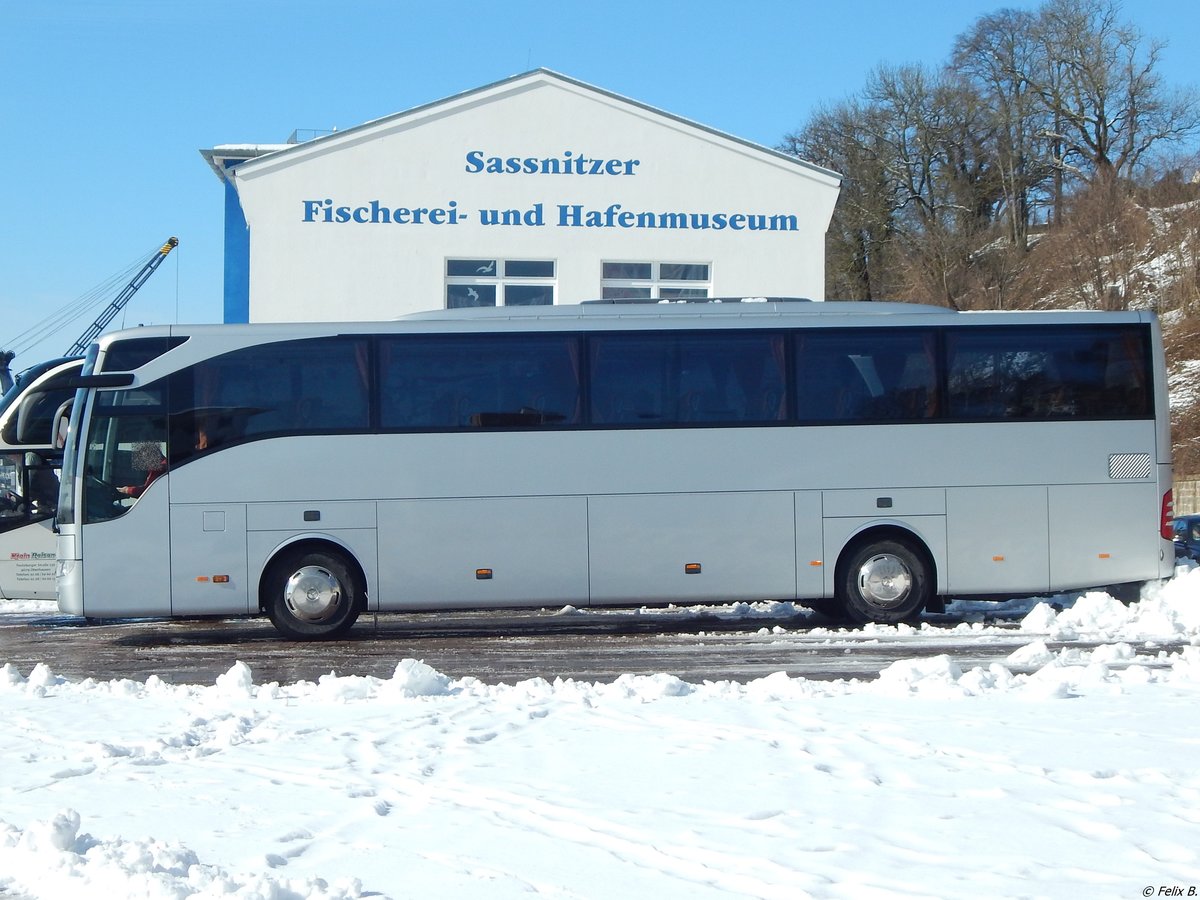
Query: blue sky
point(106, 105)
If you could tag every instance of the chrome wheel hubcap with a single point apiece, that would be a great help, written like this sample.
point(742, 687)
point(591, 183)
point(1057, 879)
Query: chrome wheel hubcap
point(884, 580)
point(312, 594)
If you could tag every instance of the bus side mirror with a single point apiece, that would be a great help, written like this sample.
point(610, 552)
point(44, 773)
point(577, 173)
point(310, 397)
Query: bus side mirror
point(58, 434)
point(24, 414)
point(27, 418)
point(62, 418)
point(103, 380)
point(34, 414)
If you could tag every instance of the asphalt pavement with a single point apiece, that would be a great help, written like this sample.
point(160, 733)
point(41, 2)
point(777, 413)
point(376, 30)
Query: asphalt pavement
point(494, 646)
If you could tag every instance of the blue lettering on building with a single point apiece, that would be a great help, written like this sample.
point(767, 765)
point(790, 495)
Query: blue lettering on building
point(376, 213)
point(570, 163)
point(578, 216)
point(532, 216)
point(570, 215)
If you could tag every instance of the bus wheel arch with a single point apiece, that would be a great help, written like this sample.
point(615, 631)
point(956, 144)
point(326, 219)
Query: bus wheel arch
point(885, 574)
point(312, 589)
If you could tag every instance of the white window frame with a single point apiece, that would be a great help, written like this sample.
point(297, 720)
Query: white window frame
point(497, 278)
point(655, 287)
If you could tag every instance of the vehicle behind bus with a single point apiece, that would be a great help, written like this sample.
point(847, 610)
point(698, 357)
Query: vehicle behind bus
point(30, 456)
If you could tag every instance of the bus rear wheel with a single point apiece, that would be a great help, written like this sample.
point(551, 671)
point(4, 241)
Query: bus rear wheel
point(312, 595)
point(885, 581)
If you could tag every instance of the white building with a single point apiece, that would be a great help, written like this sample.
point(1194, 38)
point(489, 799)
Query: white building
point(535, 189)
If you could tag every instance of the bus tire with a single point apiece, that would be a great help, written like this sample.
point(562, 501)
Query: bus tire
point(1127, 592)
point(828, 607)
point(312, 594)
point(887, 581)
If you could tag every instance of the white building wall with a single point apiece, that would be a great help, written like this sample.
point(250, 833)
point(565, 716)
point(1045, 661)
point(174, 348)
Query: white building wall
point(316, 269)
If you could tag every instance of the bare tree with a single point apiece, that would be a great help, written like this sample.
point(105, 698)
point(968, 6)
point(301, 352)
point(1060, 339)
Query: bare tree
point(996, 55)
point(952, 176)
point(1098, 81)
point(861, 242)
point(938, 150)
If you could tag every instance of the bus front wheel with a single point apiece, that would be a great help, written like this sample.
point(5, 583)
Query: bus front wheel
point(312, 594)
point(886, 581)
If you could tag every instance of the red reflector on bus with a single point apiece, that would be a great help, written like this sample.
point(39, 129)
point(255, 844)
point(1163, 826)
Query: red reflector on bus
point(1168, 513)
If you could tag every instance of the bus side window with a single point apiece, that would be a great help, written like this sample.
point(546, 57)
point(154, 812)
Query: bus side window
point(845, 392)
point(1025, 373)
point(479, 381)
point(866, 375)
point(628, 376)
point(973, 384)
point(915, 389)
point(687, 378)
point(332, 388)
point(544, 389)
point(731, 378)
point(830, 387)
point(12, 490)
point(28, 487)
point(291, 387)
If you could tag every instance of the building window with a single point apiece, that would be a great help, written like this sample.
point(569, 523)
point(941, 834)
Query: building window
point(655, 280)
point(499, 282)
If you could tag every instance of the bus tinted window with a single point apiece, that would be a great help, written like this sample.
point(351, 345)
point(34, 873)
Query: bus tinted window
point(1097, 372)
point(479, 381)
point(687, 378)
point(866, 375)
point(289, 387)
point(127, 355)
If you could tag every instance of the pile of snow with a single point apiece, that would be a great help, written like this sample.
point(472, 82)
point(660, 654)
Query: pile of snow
point(1165, 611)
point(1068, 770)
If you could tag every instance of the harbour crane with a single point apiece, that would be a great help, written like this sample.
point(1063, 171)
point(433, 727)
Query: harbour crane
point(102, 321)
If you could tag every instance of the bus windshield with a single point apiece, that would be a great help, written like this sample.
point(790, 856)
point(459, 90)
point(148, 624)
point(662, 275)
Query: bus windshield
point(125, 449)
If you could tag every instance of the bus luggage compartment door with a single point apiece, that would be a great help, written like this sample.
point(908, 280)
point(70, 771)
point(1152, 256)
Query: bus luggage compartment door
point(483, 552)
point(717, 547)
point(998, 539)
point(1104, 535)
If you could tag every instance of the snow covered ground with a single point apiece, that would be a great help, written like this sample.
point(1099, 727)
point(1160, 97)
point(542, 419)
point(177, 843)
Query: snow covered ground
point(1077, 780)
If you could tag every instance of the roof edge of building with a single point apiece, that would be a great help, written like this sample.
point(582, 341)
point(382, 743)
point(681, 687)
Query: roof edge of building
point(277, 151)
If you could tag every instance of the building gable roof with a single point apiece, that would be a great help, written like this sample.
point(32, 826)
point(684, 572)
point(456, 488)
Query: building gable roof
point(271, 157)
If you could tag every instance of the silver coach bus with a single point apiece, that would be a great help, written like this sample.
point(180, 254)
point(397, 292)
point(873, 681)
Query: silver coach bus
point(866, 458)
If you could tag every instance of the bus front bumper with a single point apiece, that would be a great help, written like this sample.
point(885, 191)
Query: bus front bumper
point(69, 578)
